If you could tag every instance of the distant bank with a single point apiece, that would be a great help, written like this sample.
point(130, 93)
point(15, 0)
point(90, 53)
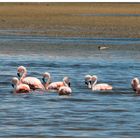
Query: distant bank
point(117, 20)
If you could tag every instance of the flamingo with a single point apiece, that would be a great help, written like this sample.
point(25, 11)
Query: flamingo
point(19, 87)
point(65, 90)
point(94, 86)
point(54, 86)
point(33, 82)
point(136, 85)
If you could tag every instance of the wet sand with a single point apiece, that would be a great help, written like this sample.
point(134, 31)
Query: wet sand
point(114, 20)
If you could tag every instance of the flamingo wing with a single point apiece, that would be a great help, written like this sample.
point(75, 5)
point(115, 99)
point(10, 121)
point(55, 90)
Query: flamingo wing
point(55, 85)
point(33, 82)
point(22, 88)
point(102, 87)
point(64, 91)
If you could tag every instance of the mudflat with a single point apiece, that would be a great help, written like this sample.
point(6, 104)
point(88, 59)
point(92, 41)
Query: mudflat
point(115, 20)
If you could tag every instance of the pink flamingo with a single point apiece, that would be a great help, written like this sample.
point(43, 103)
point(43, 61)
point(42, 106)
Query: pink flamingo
point(55, 85)
point(19, 87)
point(136, 85)
point(65, 90)
point(33, 82)
point(92, 83)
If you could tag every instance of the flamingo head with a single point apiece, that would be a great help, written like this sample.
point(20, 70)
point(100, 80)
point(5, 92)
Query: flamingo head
point(46, 75)
point(94, 78)
point(67, 80)
point(21, 70)
point(14, 81)
point(88, 79)
point(135, 83)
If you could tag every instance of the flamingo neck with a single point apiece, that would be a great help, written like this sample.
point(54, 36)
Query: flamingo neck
point(16, 85)
point(94, 83)
point(65, 84)
point(89, 84)
point(23, 75)
point(48, 81)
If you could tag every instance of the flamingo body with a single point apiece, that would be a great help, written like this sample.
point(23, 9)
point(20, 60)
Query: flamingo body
point(64, 90)
point(33, 82)
point(138, 89)
point(22, 88)
point(55, 85)
point(102, 87)
point(19, 87)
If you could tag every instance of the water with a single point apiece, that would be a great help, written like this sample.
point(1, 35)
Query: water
point(84, 114)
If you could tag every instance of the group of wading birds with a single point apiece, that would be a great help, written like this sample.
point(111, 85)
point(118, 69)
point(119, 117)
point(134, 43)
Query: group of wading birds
point(27, 84)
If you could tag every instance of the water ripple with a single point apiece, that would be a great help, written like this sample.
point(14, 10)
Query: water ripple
point(85, 113)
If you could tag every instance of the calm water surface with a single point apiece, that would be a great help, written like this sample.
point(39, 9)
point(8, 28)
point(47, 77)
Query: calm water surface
point(84, 114)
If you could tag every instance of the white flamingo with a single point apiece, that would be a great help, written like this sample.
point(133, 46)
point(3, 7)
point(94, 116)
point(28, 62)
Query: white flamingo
point(91, 81)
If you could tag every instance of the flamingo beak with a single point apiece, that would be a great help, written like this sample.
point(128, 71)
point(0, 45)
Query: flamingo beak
point(69, 84)
point(18, 74)
point(89, 84)
point(43, 79)
point(13, 85)
point(86, 82)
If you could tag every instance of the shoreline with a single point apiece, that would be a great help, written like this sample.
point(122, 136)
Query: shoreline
point(101, 20)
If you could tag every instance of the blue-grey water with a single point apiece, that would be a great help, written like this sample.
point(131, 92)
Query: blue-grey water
point(85, 113)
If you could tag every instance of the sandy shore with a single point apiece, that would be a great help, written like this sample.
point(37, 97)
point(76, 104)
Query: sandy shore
point(71, 19)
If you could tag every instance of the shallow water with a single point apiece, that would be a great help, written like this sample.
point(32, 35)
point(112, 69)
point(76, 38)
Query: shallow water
point(84, 114)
